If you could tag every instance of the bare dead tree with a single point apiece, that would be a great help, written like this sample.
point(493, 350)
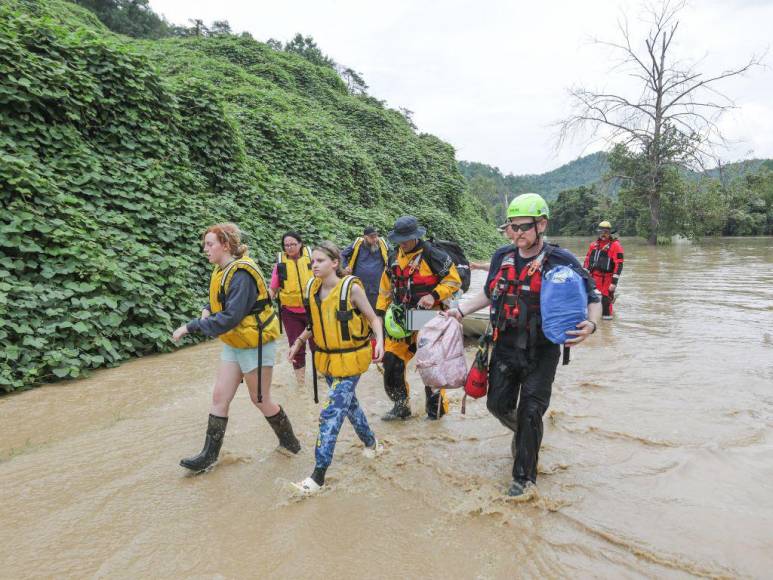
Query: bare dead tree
point(671, 117)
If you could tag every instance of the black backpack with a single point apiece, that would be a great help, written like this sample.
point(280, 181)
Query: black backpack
point(457, 256)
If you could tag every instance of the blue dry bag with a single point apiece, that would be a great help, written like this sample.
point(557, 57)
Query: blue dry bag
point(563, 303)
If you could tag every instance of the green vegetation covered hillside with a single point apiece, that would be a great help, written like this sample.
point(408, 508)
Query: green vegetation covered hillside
point(116, 153)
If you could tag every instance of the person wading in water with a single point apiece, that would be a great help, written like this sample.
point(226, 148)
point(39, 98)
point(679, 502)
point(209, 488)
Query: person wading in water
point(367, 258)
point(523, 363)
point(604, 261)
point(419, 275)
point(240, 313)
point(288, 279)
point(341, 320)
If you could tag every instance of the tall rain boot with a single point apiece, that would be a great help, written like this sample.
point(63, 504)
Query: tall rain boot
point(300, 376)
point(396, 389)
point(280, 423)
point(212, 444)
point(400, 411)
point(436, 403)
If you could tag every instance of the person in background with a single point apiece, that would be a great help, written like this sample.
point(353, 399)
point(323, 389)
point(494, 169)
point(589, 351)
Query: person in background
point(366, 258)
point(418, 275)
point(291, 273)
point(604, 261)
point(507, 233)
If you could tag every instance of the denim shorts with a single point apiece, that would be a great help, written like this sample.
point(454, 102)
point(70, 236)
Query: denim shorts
point(248, 357)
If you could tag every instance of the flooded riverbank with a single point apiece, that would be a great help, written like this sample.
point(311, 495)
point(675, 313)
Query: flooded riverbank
point(657, 458)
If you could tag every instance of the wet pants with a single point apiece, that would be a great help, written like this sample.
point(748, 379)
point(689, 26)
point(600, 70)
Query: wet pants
point(397, 354)
point(294, 324)
point(519, 395)
point(341, 403)
point(603, 281)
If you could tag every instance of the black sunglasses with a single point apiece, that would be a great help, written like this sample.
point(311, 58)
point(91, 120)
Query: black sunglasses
point(522, 227)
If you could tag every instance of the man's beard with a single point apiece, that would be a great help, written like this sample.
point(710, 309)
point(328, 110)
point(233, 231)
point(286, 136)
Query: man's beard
point(373, 247)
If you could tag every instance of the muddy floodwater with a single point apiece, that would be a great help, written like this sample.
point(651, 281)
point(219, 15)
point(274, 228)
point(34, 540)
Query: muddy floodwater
point(657, 459)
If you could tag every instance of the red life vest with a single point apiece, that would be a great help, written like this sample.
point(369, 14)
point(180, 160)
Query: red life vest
point(409, 284)
point(515, 299)
point(599, 258)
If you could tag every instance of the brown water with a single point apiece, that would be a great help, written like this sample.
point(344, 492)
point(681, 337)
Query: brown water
point(657, 459)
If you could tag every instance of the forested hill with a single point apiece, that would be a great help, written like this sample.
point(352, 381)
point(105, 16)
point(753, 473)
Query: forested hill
point(591, 171)
point(116, 153)
point(495, 189)
point(586, 170)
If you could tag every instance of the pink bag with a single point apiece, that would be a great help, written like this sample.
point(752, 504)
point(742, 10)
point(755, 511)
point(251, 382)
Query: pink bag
point(440, 354)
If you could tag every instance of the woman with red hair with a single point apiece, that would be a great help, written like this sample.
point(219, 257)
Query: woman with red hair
point(241, 314)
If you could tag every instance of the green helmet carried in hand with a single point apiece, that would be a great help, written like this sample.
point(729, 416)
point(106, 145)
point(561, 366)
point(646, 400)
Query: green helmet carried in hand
point(394, 322)
point(528, 205)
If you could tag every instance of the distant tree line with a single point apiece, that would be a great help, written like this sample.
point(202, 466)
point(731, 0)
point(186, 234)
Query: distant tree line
point(730, 202)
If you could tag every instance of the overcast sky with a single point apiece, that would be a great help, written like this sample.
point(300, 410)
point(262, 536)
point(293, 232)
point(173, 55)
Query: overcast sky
point(491, 77)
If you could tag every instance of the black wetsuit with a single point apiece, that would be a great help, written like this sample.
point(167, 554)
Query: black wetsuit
point(516, 372)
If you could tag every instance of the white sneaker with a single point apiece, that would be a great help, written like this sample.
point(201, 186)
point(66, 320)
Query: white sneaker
point(372, 452)
point(306, 487)
point(606, 317)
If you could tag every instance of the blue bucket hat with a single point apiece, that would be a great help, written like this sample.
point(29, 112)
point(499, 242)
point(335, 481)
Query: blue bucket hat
point(406, 228)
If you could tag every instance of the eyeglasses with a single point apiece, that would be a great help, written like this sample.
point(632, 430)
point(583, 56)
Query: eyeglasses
point(291, 245)
point(521, 227)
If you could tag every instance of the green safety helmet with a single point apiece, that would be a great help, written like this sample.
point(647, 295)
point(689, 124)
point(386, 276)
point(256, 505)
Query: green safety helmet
point(605, 225)
point(394, 322)
point(528, 205)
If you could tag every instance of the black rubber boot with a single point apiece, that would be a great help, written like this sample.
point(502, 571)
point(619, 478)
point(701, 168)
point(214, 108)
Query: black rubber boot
point(318, 475)
point(400, 411)
point(396, 389)
point(434, 404)
point(519, 488)
point(212, 444)
point(280, 423)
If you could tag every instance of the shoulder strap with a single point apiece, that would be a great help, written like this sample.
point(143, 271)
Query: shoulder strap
point(416, 260)
point(307, 293)
point(430, 251)
point(344, 314)
point(281, 269)
point(537, 262)
point(231, 269)
point(251, 268)
point(384, 251)
point(355, 253)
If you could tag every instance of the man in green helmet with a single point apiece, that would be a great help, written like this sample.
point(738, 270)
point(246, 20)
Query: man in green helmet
point(523, 362)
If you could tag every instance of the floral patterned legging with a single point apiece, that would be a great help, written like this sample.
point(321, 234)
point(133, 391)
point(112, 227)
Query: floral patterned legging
point(341, 403)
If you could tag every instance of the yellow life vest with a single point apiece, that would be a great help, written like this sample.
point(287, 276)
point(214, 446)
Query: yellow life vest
point(341, 332)
point(293, 277)
point(261, 325)
point(356, 252)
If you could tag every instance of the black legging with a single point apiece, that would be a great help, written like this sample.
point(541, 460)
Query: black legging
point(511, 374)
